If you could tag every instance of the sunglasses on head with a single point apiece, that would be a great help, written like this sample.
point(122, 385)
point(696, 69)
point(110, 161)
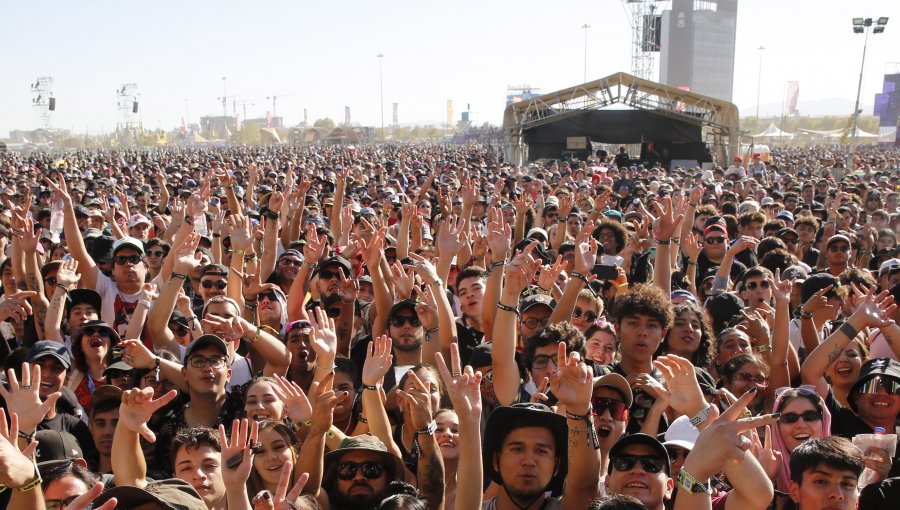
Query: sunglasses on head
point(127, 259)
point(588, 315)
point(627, 462)
point(808, 416)
point(714, 240)
point(753, 285)
point(617, 409)
point(370, 470)
point(208, 284)
point(399, 320)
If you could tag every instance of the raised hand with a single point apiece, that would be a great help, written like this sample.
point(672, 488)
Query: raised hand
point(282, 499)
point(253, 284)
point(17, 305)
point(24, 398)
point(16, 466)
point(682, 391)
point(818, 301)
point(29, 237)
point(378, 361)
point(781, 289)
point(690, 246)
point(523, 203)
point(550, 274)
point(666, 221)
point(60, 189)
point(296, 404)
point(231, 330)
point(743, 243)
point(425, 269)
point(585, 250)
point(874, 309)
point(418, 400)
point(237, 453)
point(83, 502)
point(138, 406)
point(186, 255)
point(137, 355)
point(323, 338)
point(404, 280)
point(373, 249)
point(769, 459)
point(573, 381)
point(68, 275)
point(426, 308)
point(240, 236)
point(520, 271)
point(314, 249)
point(450, 238)
point(324, 399)
point(349, 289)
point(499, 236)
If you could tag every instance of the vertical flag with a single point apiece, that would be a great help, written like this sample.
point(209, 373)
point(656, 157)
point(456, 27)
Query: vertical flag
point(793, 95)
point(449, 112)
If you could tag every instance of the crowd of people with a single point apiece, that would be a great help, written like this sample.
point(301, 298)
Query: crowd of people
point(433, 327)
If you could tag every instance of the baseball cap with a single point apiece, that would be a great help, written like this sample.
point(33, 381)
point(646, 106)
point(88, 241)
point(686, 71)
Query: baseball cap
point(878, 367)
point(46, 348)
point(137, 219)
point(336, 260)
point(681, 433)
point(888, 266)
point(174, 494)
point(535, 300)
point(837, 238)
point(406, 304)
point(815, 283)
point(618, 383)
point(82, 296)
point(204, 341)
point(788, 215)
point(55, 447)
point(640, 439)
point(128, 242)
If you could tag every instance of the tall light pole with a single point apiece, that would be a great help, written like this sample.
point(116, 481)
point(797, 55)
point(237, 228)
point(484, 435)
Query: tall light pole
point(224, 98)
point(861, 26)
point(585, 27)
point(759, 79)
point(381, 88)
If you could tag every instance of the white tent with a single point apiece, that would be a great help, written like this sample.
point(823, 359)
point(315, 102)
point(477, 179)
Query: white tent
point(773, 132)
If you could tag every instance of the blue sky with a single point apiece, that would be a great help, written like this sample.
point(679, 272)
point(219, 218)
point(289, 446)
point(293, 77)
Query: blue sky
point(325, 52)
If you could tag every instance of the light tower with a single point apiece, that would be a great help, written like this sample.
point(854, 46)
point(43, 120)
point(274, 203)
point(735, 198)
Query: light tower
point(42, 99)
point(645, 32)
point(127, 104)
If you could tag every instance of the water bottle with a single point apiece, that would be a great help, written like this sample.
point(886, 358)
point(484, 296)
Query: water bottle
point(200, 224)
point(872, 441)
point(56, 217)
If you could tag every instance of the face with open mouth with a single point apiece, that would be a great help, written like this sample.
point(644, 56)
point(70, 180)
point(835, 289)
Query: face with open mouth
point(302, 355)
point(845, 370)
point(878, 407)
point(95, 342)
point(797, 433)
point(651, 489)
point(447, 434)
point(274, 453)
point(684, 337)
point(609, 430)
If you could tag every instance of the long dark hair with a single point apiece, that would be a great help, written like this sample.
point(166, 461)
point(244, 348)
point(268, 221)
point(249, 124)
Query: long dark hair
point(704, 355)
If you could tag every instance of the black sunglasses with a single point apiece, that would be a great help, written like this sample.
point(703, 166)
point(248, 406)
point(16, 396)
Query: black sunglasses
point(220, 284)
point(400, 320)
point(791, 240)
point(127, 259)
point(617, 409)
point(291, 262)
point(269, 294)
point(370, 470)
point(180, 331)
point(649, 464)
point(808, 416)
point(327, 275)
point(156, 253)
point(754, 285)
point(588, 315)
point(714, 240)
point(91, 331)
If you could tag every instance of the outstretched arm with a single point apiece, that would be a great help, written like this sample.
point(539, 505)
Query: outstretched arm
point(128, 463)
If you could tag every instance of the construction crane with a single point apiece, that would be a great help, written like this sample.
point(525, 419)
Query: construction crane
point(275, 99)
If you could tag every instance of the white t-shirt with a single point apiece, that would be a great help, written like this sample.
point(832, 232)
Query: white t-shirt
point(116, 307)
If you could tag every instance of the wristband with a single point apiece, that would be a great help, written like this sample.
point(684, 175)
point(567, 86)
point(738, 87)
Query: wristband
point(505, 308)
point(216, 234)
point(687, 482)
point(27, 437)
point(189, 220)
point(256, 336)
point(848, 329)
point(371, 388)
point(763, 348)
point(178, 275)
point(593, 440)
point(662, 241)
point(144, 302)
point(428, 430)
point(238, 250)
point(579, 276)
point(491, 267)
point(32, 484)
point(701, 417)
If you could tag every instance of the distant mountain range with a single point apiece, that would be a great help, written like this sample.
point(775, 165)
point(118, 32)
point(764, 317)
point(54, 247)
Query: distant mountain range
point(810, 108)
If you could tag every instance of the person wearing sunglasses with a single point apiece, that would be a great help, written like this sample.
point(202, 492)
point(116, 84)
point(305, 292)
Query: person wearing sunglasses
point(755, 289)
point(804, 417)
point(588, 308)
point(357, 474)
point(213, 281)
point(747, 372)
point(837, 254)
point(92, 352)
point(610, 401)
point(714, 251)
point(639, 467)
point(157, 250)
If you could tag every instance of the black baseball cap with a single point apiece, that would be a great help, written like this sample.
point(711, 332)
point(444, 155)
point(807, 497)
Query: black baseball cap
point(640, 439)
point(55, 447)
point(204, 341)
point(49, 348)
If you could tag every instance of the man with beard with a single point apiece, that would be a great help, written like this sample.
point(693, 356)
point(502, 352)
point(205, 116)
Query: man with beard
point(837, 255)
point(357, 474)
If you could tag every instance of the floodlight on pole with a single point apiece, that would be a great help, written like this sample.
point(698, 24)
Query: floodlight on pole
point(381, 88)
point(882, 21)
point(585, 27)
point(860, 26)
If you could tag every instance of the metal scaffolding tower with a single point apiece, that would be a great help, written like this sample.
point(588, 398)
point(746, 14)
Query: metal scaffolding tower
point(127, 103)
point(645, 25)
point(42, 99)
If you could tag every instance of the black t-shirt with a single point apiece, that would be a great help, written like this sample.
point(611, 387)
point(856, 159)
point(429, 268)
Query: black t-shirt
point(811, 257)
point(845, 423)
point(877, 496)
point(704, 264)
point(63, 422)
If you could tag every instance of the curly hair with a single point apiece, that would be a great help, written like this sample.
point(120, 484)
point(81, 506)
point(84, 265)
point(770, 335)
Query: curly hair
point(703, 356)
point(618, 231)
point(644, 300)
